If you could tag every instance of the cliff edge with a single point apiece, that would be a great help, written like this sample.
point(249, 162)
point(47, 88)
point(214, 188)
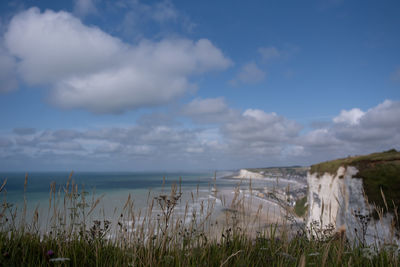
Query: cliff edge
point(347, 194)
point(246, 174)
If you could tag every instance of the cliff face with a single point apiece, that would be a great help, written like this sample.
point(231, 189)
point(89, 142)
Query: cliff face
point(338, 200)
point(245, 174)
point(334, 200)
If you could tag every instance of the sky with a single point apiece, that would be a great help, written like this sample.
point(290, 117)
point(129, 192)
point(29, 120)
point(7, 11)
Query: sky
point(135, 85)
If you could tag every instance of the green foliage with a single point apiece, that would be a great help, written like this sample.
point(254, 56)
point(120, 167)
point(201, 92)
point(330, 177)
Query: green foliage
point(239, 250)
point(300, 208)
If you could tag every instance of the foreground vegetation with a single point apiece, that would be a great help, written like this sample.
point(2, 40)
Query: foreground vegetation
point(150, 238)
point(237, 250)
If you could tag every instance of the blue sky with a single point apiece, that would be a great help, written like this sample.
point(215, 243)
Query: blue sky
point(186, 85)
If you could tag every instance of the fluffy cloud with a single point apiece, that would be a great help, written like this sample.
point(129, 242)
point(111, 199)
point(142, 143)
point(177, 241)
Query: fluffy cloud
point(117, 91)
point(378, 125)
point(89, 69)
point(356, 132)
point(257, 126)
point(55, 45)
point(249, 73)
point(351, 117)
point(322, 139)
point(385, 115)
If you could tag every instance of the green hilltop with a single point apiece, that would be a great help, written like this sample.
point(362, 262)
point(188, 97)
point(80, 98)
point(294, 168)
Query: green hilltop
point(379, 171)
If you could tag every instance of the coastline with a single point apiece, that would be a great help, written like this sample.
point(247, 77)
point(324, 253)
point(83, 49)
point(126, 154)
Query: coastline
point(234, 202)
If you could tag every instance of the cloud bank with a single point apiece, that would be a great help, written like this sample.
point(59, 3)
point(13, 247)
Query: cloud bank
point(248, 139)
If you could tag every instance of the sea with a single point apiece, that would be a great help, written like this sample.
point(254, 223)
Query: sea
point(114, 188)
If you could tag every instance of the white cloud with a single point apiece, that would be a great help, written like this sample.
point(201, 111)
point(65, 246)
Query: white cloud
point(89, 69)
point(136, 145)
point(358, 132)
point(117, 91)
point(249, 73)
point(352, 116)
point(379, 125)
point(257, 126)
point(260, 115)
point(251, 138)
point(385, 115)
point(56, 45)
point(84, 7)
point(320, 138)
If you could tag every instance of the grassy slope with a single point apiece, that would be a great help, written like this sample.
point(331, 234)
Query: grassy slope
point(294, 170)
point(378, 171)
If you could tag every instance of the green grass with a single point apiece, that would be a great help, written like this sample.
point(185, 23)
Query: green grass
point(300, 208)
point(165, 241)
point(332, 166)
point(379, 171)
point(235, 250)
point(26, 250)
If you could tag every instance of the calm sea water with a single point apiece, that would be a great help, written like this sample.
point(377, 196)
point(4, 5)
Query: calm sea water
point(113, 187)
point(38, 187)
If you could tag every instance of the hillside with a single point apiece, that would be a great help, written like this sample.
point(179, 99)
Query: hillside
point(281, 171)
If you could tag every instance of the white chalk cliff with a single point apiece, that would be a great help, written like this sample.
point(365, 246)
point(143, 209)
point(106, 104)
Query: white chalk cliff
point(245, 174)
point(335, 200)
